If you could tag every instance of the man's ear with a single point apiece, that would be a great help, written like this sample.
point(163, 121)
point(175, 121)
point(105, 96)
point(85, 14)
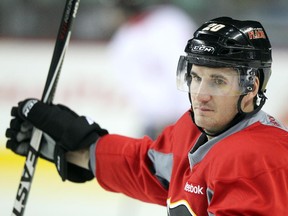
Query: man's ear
point(248, 100)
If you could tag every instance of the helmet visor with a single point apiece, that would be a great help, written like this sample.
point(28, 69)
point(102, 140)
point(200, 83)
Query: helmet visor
point(215, 78)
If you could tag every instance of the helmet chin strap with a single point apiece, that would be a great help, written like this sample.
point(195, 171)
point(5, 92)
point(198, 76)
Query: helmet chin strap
point(238, 117)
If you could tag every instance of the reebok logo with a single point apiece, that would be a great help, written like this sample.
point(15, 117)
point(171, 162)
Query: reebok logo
point(193, 189)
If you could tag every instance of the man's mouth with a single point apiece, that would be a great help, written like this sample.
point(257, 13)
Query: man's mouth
point(203, 109)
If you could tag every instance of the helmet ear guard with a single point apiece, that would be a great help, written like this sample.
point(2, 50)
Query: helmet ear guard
point(264, 76)
point(247, 79)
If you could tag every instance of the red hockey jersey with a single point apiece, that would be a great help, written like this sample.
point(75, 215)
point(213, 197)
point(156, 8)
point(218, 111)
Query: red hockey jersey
point(243, 171)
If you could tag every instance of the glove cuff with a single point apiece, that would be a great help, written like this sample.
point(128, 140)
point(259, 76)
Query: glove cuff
point(69, 171)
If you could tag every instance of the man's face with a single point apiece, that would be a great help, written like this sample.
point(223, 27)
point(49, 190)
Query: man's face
point(212, 103)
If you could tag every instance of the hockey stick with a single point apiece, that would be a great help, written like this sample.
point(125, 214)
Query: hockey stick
point(61, 45)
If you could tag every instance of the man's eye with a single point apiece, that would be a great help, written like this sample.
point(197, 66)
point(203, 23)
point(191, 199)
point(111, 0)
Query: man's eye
point(195, 77)
point(219, 82)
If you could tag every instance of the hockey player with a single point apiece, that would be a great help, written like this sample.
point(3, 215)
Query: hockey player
point(224, 156)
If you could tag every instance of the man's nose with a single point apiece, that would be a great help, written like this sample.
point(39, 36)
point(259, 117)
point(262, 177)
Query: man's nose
point(203, 92)
point(203, 97)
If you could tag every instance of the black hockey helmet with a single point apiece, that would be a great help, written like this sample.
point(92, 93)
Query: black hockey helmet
point(226, 42)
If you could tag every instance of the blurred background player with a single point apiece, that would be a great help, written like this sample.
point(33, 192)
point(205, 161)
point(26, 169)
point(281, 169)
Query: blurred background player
point(143, 52)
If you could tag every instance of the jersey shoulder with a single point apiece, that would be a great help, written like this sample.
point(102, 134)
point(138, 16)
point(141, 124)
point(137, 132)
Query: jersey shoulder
point(256, 149)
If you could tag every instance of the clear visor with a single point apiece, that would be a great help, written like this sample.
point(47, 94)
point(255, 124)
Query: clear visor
point(214, 80)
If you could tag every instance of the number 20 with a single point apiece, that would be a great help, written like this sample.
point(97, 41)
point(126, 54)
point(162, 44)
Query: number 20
point(214, 27)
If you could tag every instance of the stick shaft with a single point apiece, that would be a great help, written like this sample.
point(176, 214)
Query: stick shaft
point(61, 45)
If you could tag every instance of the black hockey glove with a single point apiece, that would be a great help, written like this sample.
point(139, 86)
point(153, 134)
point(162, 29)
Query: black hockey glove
point(63, 131)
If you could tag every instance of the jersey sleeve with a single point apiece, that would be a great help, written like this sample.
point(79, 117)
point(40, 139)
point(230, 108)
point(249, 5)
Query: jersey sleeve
point(131, 166)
